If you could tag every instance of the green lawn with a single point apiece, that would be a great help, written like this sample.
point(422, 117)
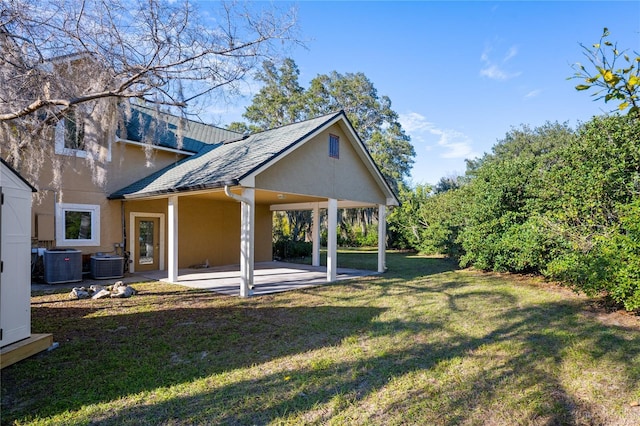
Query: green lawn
point(423, 344)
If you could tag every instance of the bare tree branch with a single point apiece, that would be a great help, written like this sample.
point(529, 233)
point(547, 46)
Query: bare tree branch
point(56, 55)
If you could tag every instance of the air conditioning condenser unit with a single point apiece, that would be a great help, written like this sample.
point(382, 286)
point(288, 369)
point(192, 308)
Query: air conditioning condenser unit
point(62, 266)
point(106, 267)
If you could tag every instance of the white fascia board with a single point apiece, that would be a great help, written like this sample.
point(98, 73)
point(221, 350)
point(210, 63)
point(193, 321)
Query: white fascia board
point(157, 147)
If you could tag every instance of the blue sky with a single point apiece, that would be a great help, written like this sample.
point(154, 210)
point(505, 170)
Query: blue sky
point(462, 74)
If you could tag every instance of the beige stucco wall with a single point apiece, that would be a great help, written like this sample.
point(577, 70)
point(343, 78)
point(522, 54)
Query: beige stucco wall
point(86, 183)
point(209, 230)
point(309, 170)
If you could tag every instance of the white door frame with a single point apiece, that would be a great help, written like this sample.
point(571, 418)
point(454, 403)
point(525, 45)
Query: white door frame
point(132, 236)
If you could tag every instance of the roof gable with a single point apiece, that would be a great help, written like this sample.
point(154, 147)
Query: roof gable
point(341, 119)
point(238, 161)
point(310, 169)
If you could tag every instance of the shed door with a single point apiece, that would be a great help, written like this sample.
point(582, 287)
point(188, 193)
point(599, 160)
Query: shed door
point(147, 254)
point(15, 283)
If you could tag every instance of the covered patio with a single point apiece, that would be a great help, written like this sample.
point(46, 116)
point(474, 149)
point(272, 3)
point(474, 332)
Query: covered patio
point(218, 204)
point(268, 278)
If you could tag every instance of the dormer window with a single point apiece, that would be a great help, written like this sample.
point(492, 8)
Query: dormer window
point(334, 146)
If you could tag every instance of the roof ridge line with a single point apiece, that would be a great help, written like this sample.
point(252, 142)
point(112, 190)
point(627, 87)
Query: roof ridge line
point(144, 107)
point(335, 113)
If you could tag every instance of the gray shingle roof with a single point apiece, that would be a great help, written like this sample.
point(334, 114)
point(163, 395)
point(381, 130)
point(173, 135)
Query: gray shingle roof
point(147, 124)
point(224, 164)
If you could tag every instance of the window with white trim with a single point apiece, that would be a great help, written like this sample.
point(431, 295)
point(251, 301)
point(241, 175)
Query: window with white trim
point(70, 133)
point(334, 146)
point(77, 224)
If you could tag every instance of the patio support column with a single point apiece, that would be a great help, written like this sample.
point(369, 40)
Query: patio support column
point(315, 233)
point(247, 241)
point(173, 239)
point(382, 237)
point(332, 259)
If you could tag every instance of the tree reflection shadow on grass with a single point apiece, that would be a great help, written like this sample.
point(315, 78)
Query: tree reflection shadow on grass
point(424, 345)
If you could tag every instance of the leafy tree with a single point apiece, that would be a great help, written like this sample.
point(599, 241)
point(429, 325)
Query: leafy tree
point(82, 57)
point(280, 100)
point(502, 228)
point(356, 95)
point(612, 80)
point(554, 201)
point(593, 191)
point(447, 183)
point(393, 152)
point(405, 223)
point(240, 127)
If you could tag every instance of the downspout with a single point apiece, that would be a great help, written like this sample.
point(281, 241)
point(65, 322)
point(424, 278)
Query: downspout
point(236, 197)
point(123, 243)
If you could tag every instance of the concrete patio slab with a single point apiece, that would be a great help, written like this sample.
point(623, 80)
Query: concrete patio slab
point(269, 277)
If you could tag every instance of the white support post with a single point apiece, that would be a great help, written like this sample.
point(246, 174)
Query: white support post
point(172, 269)
point(247, 242)
point(382, 237)
point(332, 259)
point(315, 233)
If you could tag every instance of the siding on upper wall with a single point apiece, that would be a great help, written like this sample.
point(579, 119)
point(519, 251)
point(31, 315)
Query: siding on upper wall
point(309, 170)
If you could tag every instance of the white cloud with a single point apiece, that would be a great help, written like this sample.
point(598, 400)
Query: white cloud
point(533, 94)
point(456, 144)
point(414, 122)
point(512, 52)
point(497, 70)
point(494, 72)
point(450, 144)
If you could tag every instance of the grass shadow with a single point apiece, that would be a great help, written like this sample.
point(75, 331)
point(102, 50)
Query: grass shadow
point(129, 353)
point(442, 348)
point(338, 385)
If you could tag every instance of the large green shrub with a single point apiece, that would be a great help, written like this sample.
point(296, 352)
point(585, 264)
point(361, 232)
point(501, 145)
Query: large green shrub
point(612, 264)
point(549, 200)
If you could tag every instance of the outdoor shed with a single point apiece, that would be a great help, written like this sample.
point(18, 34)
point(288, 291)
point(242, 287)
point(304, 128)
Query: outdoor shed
point(15, 255)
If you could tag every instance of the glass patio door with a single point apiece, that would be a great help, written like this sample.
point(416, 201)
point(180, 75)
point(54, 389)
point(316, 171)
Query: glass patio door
point(147, 252)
